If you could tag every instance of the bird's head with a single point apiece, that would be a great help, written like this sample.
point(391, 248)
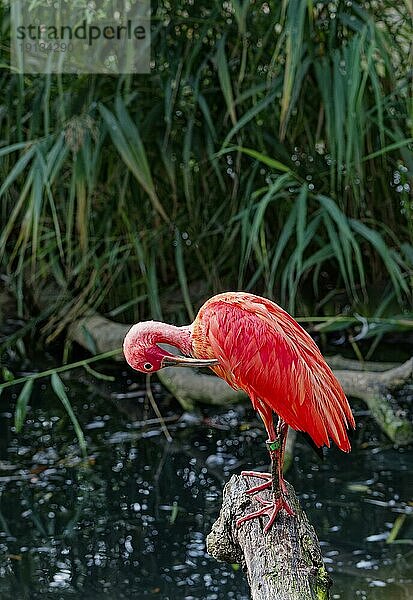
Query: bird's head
point(143, 353)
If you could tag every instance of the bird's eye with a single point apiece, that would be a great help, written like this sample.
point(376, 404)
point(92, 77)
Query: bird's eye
point(147, 366)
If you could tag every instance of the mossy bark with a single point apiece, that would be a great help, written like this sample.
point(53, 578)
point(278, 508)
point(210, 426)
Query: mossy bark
point(373, 388)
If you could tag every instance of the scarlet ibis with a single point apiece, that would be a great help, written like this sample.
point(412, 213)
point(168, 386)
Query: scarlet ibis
point(256, 346)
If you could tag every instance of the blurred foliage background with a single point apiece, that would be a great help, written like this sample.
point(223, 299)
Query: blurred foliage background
point(268, 150)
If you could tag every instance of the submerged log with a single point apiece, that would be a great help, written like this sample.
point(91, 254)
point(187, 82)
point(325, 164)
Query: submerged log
point(189, 386)
point(284, 564)
point(98, 332)
point(373, 388)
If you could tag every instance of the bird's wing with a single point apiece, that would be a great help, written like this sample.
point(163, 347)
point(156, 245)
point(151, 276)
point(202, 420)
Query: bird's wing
point(265, 352)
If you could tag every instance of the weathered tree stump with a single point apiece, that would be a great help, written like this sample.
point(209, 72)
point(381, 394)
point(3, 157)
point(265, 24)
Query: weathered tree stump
point(284, 564)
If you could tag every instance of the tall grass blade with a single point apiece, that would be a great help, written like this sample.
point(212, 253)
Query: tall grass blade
point(301, 224)
point(21, 405)
point(285, 236)
point(60, 392)
point(258, 221)
point(18, 169)
point(295, 48)
point(392, 267)
point(263, 158)
point(225, 80)
point(180, 267)
point(12, 148)
point(348, 241)
point(255, 110)
point(127, 140)
point(387, 149)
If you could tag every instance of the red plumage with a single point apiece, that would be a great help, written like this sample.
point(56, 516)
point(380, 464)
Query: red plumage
point(262, 350)
point(256, 346)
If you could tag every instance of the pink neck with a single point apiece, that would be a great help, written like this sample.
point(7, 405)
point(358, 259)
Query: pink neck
point(180, 337)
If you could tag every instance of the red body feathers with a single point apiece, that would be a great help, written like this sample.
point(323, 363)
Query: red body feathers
point(262, 350)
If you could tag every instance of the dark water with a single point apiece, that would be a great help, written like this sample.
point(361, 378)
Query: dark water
point(132, 521)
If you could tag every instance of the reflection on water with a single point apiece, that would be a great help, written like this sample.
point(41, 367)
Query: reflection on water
point(133, 521)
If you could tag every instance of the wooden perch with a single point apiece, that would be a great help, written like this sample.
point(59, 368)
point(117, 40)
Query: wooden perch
point(99, 334)
point(284, 564)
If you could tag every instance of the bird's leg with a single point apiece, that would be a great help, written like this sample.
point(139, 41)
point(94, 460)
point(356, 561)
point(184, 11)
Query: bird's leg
point(268, 419)
point(276, 448)
point(273, 439)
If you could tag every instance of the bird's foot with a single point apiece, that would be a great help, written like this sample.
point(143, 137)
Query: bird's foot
point(269, 508)
point(262, 486)
point(269, 482)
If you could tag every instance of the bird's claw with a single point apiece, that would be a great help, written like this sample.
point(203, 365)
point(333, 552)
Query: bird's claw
point(271, 508)
point(262, 486)
point(269, 482)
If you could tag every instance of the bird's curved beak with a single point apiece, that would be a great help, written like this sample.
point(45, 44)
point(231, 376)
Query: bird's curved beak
point(185, 361)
